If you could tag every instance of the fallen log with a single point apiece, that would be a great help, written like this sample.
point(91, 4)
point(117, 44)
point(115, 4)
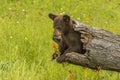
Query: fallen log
point(102, 49)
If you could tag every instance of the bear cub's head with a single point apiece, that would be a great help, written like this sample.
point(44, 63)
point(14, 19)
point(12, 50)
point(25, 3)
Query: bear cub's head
point(62, 23)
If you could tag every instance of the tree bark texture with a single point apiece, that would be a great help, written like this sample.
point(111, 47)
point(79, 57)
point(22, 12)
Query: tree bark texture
point(102, 49)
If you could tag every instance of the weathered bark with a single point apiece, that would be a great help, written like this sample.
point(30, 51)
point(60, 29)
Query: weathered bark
point(103, 49)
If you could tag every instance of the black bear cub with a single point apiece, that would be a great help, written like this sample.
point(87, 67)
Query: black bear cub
point(70, 39)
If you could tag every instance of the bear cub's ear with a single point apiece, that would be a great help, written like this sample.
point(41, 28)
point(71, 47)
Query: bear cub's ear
point(74, 22)
point(66, 18)
point(52, 16)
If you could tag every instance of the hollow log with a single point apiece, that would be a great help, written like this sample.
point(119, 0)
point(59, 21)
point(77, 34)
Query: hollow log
point(102, 49)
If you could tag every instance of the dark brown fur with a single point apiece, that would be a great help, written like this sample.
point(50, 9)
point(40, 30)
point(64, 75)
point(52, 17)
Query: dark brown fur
point(70, 39)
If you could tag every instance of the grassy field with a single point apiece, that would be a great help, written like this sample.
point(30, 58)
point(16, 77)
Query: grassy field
point(26, 37)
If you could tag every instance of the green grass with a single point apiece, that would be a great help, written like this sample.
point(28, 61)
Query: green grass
point(26, 37)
